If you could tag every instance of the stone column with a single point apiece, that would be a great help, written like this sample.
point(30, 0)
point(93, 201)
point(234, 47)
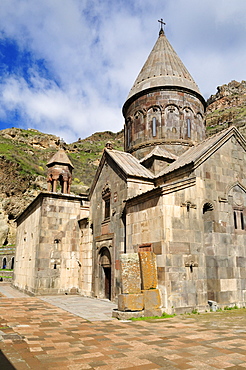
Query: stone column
point(54, 186)
point(49, 187)
point(65, 187)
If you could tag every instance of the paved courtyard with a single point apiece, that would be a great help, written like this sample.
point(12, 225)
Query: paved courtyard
point(72, 332)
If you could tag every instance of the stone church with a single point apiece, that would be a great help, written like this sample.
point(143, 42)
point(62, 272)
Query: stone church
point(172, 192)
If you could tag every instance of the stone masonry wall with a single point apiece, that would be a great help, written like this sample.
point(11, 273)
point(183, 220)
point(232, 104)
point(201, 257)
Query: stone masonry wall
point(109, 233)
point(27, 240)
point(201, 254)
point(48, 249)
point(58, 255)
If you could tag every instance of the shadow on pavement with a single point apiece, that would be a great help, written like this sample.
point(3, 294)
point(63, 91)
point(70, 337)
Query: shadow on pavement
point(4, 363)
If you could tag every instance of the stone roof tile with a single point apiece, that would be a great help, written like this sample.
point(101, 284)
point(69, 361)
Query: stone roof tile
point(129, 164)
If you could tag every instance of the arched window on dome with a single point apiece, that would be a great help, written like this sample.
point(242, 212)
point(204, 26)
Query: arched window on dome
point(128, 135)
point(153, 122)
point(200, 127)
point(154, 126)
point(188, 128)
point(128, 132)
point(188, 122)
point(138, 125)
point(171, 127)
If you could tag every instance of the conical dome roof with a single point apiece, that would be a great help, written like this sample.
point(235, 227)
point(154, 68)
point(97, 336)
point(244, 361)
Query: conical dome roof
point(163, 68)
point(60, 157)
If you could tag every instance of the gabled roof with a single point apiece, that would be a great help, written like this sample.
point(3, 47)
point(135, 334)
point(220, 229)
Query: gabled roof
point(60, 157)
point(163, 68)
point(160, 153)
point(129, 164)
point(200, 152)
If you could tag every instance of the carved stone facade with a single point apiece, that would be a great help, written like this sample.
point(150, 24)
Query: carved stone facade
point(174, 197)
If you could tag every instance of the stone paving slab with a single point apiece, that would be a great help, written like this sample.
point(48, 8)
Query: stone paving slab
point(91, 309)
point(35, 334)
point(6, 290)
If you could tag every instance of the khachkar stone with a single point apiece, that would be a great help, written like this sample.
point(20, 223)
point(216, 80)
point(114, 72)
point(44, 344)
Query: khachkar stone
point(130, 273)
point(148, 270)
point(151, 295)
point(131, 299)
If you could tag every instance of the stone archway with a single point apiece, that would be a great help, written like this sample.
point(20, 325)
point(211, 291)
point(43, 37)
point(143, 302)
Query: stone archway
point(105, 273)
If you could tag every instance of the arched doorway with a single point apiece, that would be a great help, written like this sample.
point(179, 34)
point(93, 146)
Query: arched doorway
point(4, 266)
point(105, 273)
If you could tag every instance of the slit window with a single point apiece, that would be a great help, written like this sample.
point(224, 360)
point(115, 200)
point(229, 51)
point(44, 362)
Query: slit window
point(128, 135)
point(238, 217)
point(188, 128)
point(107, 208)
point(235, 219)
point(242, 220)
point(154, 126)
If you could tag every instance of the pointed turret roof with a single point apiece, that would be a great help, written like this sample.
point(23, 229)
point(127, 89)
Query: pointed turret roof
point(60, 157)
point(163, 68)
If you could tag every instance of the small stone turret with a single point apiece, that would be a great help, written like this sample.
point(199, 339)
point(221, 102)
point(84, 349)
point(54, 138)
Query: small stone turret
point(59, 170)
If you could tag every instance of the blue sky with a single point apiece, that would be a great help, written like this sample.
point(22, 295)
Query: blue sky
point(66, 66)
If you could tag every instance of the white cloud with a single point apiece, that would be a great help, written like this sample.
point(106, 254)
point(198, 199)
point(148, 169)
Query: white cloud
point(93, 51)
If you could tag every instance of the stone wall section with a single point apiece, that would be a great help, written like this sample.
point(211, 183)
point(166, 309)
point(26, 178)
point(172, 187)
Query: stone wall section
point(48, 253)
point(200, 254)
point(27, 241)
point(85, 260)
point(109, 232)
point(58, 253)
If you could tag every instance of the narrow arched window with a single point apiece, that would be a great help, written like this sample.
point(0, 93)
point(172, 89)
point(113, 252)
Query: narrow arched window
point(242, 220)
point(188, 128)
point(207, 207)
point(235, 219)
point(238, 219)
point(107, 208)
point(154, 126)
point(4, 263)
point(128, 135)
point(12, 263)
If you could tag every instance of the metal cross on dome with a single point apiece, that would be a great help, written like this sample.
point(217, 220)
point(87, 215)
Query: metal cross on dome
point(162, 23)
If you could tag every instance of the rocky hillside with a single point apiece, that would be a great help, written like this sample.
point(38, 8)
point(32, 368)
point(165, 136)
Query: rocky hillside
point(23, 158)
point(227, 107)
